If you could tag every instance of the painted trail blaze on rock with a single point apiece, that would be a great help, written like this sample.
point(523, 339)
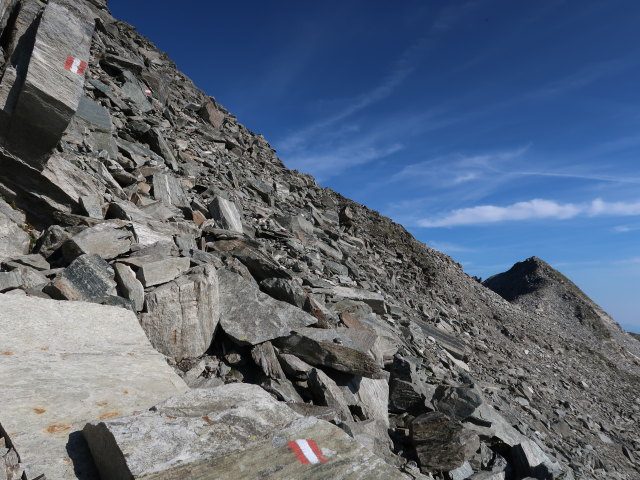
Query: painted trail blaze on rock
point(75, 65)
point(307, 451)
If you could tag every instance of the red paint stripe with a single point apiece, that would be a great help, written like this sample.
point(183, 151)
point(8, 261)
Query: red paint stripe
point(68, 63)
point(82, 67)
point(316, 450)
point(296, 449)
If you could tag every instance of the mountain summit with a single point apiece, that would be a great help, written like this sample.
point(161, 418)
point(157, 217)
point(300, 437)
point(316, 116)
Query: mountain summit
point(176, 303)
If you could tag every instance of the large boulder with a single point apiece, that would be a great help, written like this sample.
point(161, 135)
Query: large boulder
point(235, 431)
point(63, 364)
point(50, 84)
point(182, 315)
point(251, 317)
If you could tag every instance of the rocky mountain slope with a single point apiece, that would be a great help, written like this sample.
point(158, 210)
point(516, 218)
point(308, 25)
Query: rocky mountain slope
point(309, 337)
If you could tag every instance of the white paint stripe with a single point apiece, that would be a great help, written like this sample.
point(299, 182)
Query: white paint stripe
point(306, 449)
point(75, 65)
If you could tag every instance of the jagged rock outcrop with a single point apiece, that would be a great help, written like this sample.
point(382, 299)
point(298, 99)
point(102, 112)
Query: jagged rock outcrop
point(148, 196)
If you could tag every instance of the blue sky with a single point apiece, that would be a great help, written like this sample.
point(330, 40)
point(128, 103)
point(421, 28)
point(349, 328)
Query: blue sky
point(493, 130)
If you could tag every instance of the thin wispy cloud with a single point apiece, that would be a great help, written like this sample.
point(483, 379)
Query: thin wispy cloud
point(536, 209)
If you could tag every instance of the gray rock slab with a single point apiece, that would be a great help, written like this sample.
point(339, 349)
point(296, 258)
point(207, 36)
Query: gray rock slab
point(14, 241)
point(94, 114)
point(327, 393)
point(51, 91)
point(373, 299)
point(182, 315)
point(226, 214)
point(168, 189)
point(370, 395)
point(35, 261)
point(10, 280)
point(235, 431)
point(343, 349)
point(129, 286)
point(67, 363)
point(92, 206)
point(105, 239)
point(162, 271)
point(88, 277)
point(441, 444)
point(133, 90)
point(252, 317)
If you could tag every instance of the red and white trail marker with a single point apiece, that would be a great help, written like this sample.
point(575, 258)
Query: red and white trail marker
point(307, 451)
point(75, 65)
point(148, 92)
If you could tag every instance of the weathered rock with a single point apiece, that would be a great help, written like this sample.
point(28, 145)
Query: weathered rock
point(129, 286)
point(234, 431)
point(162, 271)
point(52, 85)
point(368, 397)
point(530, 460)
point(457, 402)
point(441, 444)
point(105, 239)
point(226, 214)
point(35, 261)
point(182, 315)
point(327, 393)
point(345, 350)
point(252, 317)
point(167, 188)
point(284, 290)
point(373, 299)
point(91, 206)
point(10, 280)
point(259, 264)
point(70, 363)
point(13, 239)
point(88, 277)
point(212, 114)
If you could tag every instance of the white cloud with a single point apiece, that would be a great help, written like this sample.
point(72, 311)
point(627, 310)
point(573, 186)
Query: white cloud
point(532, 210)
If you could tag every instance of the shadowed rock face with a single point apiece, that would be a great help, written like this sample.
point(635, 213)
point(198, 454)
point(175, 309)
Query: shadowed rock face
point(158, 201)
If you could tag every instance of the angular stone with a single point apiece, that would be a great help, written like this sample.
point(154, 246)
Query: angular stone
point(70, 363)
point(50, 94)
point(88, 277)
point(105, 239)
point(35, 261)
point(211, 114)
point(327, 393)
point(181, 316)
point(284, 290)
point(129, 286)
point(167, 188)
point(162, 271)
point(369, 397)
point(252, 317)
point(226, 214)
point(530, 460)
point(345, 350)
point(133, 90)
point(91, 206)
point(10, 280)
point(234, 431)
point(441, 444)
point(94, 114)
point(373, 299)
point(160, 146)
point(261, 265)
point(457, 402)
point(14, 240)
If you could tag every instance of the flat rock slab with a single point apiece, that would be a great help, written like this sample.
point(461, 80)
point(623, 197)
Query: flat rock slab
point(182, 315)
point(63, 364)
point(235, 431)
point(251, 317)
point(343, 349)
point(105, 239)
